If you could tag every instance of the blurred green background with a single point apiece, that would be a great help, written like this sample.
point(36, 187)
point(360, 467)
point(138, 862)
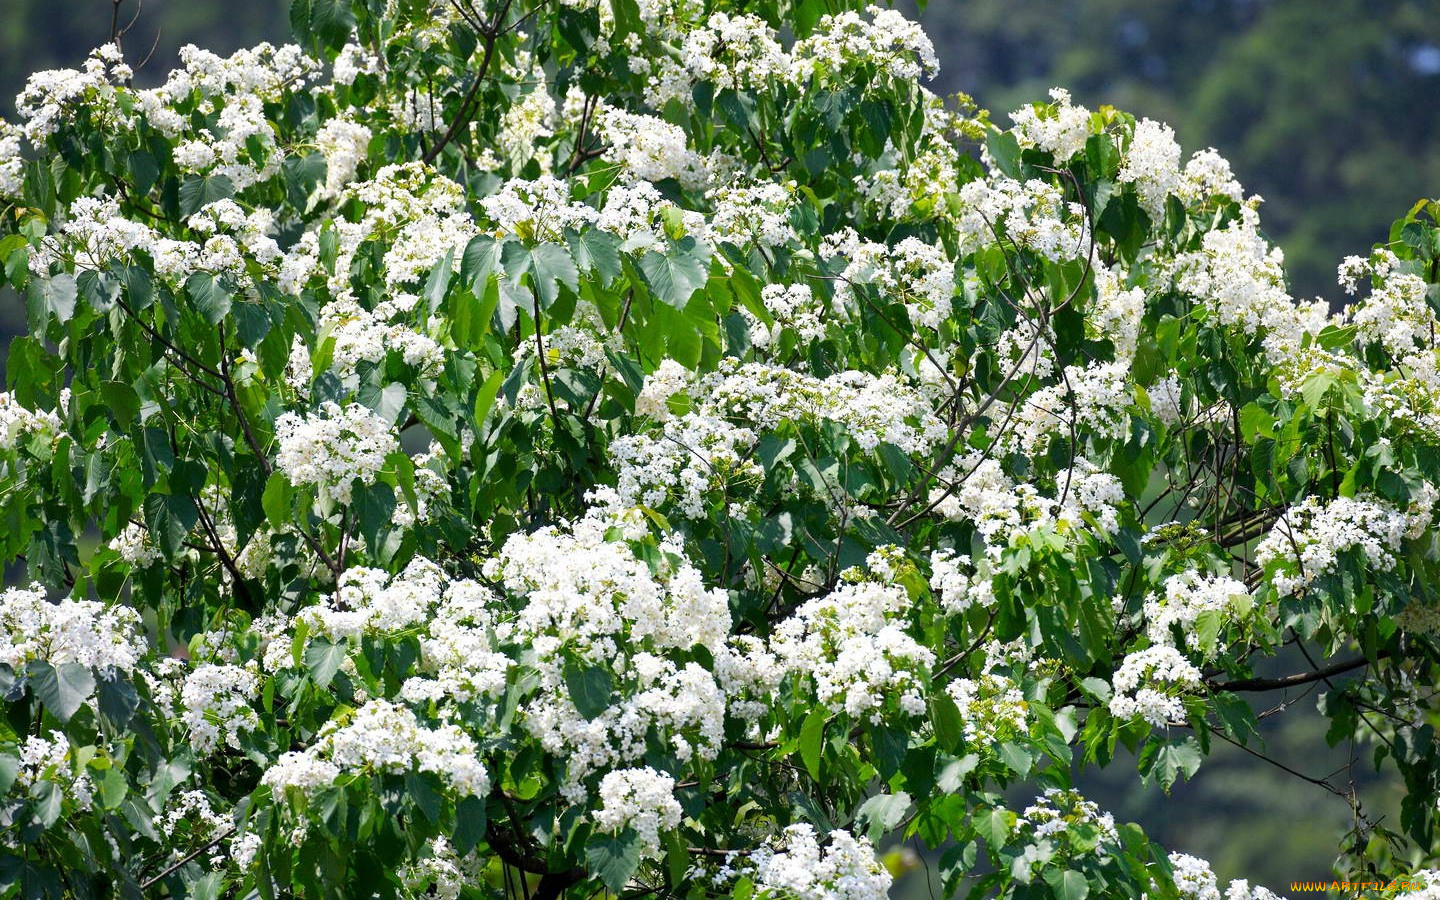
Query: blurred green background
point(1327, 108)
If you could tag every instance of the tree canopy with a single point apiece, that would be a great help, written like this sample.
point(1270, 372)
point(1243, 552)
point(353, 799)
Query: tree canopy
point(531, 449)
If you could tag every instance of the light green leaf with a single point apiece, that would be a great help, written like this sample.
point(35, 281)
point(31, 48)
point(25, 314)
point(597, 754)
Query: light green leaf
point(63, 689)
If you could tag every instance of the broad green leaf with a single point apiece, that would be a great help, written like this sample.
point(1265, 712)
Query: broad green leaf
point(1068, 884)
point(614, 858)
point(199, 191)
point(323, 659)
point(590, 688)
point(210, 297)
point(675, 275)
point(170, 518)
point(63, 688)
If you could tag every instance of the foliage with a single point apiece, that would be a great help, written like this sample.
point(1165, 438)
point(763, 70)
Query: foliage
point(561, 447)
point(1312, 103)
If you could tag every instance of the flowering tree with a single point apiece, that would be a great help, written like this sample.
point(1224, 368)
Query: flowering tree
point(502, 449)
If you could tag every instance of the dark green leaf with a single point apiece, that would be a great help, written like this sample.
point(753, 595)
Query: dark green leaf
point(590, 688)
point(614, 858)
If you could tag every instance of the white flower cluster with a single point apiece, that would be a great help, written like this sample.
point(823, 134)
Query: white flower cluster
point(50, 98)
point(1152, 164)
point(383, 737)
point(18, 423)
point(333, 448)
point(694, 458)
point(190, 820)
point(453, 619)
point(668, 379)
point(42, 759)
point(1056, 811)
point(1060, 129)
point(1147, 685)
point(1395, 315)
point(69, 631)
point(1239, 279)
point(217, 705)
point(642, 799)
point(958, 584)
point(799, 868)
point(1306, 542)
point(791, 306)
point(641, 216)
point(1084, 491)
point(1195, 880)
point(756, 213)
point(539, 209)
point(1093, 400)
point(873, 409)
point(920, 275)
point(991, 707)
point(651, 149)
point(12, 164)
point(345, 144)
point(1116, 312)
point(1033, 215)
point(579, 595)
point(845, 41)
point(852, 645)
point(443, 874)
point(134, 546)
point(1186, 597)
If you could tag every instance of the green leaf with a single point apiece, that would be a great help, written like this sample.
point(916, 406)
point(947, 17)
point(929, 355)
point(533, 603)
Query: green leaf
point(199, 191)
point(438, 281)
point(117, 702)
point(1068, 884)
point(469, 824)
point(590, 688)
point(614, 858)
point(386, 402)
point(277, 500)
point(327, 22)
point(323, 659)
point(812, 737)
point(209, 296)
point(9, 769)
point(53, 296)
point(994, 826)
point(485, 397)
point(550, 266)
point(674, 276)
point(303, 175)
point(1005, 150)
point(595, 250)
point(374, 505)
point(949, 725)
point(170, 519)
point(49, 802)
point(478, 262)
point(63, 689)
point(882, 812)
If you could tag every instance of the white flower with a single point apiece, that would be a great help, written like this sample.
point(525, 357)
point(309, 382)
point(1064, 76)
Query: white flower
point(80, 631)
point(333, 448)
point(216, 701)
point(134, 546)
point(1306, 542)
point(1061, 130)
point(642, 799)
point(801, 869)
point(1188, 596)
point(1147, 683)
